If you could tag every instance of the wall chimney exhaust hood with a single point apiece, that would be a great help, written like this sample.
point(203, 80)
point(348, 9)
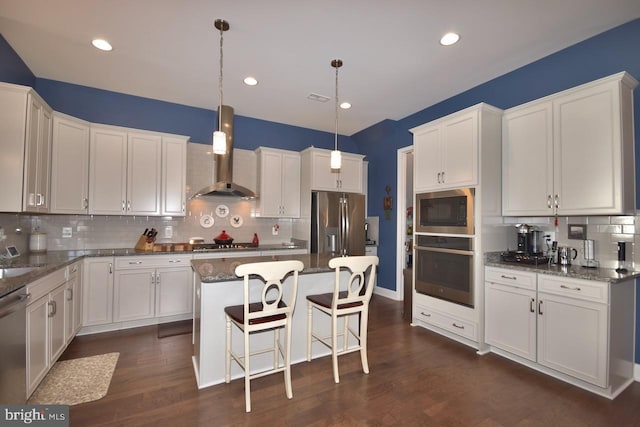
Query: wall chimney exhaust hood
point(224, 185)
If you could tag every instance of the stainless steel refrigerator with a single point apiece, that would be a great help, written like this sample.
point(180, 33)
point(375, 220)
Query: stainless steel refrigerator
point(337, 223)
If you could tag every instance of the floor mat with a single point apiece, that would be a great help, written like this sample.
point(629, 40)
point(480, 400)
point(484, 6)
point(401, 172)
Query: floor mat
point(74, 381)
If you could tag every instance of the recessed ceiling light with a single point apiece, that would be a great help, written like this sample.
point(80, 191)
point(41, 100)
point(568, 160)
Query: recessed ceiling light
point(345, 105)
point(449, 39)
point(102, 44)
point(250, 81)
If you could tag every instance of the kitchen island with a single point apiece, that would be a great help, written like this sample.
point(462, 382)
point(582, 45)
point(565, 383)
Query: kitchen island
point(216, 286)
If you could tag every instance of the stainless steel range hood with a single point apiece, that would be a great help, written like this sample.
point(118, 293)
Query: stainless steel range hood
point(224, 185)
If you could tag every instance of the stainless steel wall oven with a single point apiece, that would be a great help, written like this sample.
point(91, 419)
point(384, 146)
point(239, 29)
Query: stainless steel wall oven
point(444, 268)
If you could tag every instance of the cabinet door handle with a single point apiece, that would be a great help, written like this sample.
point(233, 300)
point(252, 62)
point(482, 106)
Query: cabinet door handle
point(549, 201)
point(85, 203)
point(457, 326)
point(51, 309)
point(110, 268)
point(158, 279)
point(183, 207)
point(128, 205)
point(135, 262)
point(540, 308)
point(557, 201)
point(175, 260)
point(438, 177)
point(425, 314)
point(123, 206)
point(153, 278)
point(39, 199)
point(443, 177)
point(70, 297)
point(570, 288)
point(508, 277)
point(532, 305)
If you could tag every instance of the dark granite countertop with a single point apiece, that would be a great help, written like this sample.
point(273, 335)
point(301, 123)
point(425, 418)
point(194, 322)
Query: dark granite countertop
point(492, 259)
point(223, 269)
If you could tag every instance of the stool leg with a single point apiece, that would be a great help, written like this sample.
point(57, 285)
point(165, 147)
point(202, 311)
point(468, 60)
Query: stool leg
point(309, 329)
point(227, 365)
point(345, 332)
point(364, 316)
point(287, 359)
point(247, 372)
point(276, 341)
point(334, 347)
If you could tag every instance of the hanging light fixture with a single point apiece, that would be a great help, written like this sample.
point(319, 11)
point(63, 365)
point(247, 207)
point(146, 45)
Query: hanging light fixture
point(336, 157)
point(219, 137)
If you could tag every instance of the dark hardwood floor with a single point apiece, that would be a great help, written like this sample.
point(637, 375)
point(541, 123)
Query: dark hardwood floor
point(416, 378)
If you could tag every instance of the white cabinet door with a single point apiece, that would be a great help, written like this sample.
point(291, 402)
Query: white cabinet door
point(588, 151)
point(73, 302)
point(446, 151)
point(134, 294)
point(460, 150)
point(37, 342)
point(279, 183)
point(173, 291)
point(69, 165)
point(37, 164)
point(573, 337)
point(107, 172)
point(527, 160)
point(427, 149)
point(97, 291)
point(144, 174)
point(350, 179)
point(323, 178)
point(510, 319)
point(57, 318)
point(174, 176)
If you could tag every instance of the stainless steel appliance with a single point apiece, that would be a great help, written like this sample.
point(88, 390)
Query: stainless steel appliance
point(337, 223)
point(445, 212)
point(13, 347)
point(444, 268)
point(566, 255)
point(590, 254)
point(524, 237)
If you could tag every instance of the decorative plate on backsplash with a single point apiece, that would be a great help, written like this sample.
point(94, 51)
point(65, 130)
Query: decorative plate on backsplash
point(236, 221)
point(206, 221)
point(222, 210)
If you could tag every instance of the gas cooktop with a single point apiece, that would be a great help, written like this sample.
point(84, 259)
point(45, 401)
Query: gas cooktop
point(522, 258)
point(213, 247)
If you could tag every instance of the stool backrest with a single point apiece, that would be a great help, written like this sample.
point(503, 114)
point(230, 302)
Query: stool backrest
point(359, 286)
point(272, 275)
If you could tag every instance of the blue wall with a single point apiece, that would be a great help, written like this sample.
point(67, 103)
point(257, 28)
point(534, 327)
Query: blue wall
point(102, 106)
point(605, 54)
point(12, 67)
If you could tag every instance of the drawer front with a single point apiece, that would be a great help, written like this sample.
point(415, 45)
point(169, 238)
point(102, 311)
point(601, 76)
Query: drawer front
point(588, 290)
point(152, 261)
point(506, 276)
point(464, 328)
point(46, 284)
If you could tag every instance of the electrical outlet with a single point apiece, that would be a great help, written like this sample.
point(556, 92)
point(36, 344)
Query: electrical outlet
point(67, 232)
point(168, 232)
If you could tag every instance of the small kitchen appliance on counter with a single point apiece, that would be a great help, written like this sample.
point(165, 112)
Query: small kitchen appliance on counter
point(589, 254)
point(622, 258)
point(566, 255)
point(38, 242)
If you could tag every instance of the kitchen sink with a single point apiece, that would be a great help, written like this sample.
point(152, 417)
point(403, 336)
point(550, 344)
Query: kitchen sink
point(8, 272)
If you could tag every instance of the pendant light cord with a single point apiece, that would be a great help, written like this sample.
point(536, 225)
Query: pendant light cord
point(336, 138)
point(220, 81)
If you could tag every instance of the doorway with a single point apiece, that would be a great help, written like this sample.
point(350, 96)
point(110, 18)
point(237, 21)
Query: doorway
point(404, 226)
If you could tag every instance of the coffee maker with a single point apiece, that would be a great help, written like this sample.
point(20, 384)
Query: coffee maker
point(524, 239)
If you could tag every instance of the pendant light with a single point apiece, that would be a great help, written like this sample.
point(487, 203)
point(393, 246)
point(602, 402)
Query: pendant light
point(336, 157)
point(219, 137)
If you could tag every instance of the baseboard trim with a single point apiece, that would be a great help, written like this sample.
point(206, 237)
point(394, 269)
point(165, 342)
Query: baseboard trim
point(636, 372)
point(387, 293)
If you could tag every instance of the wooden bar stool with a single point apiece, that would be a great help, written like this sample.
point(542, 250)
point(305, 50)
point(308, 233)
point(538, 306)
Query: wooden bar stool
point(271, 312)
point(348, 298)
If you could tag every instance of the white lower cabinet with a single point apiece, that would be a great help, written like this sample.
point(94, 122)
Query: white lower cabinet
point(97, 291)
point(581, 331)
point(133, 294)
point(45, 322)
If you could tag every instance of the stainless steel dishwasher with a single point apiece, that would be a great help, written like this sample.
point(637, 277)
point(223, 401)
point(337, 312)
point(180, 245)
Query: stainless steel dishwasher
point(13, 347)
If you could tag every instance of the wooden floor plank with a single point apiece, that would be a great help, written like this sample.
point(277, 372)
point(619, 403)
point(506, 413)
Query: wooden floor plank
point(416, 378)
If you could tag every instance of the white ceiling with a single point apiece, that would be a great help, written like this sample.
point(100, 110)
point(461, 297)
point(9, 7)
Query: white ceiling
point(393, 63)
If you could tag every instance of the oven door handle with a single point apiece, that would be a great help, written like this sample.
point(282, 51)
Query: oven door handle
point(444, 250)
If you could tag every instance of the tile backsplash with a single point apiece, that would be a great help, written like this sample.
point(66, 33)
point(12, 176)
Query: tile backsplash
point(606, 231)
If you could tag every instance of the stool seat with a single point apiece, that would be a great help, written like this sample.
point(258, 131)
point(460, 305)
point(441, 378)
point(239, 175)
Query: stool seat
point(325, 300)
point(270, 283)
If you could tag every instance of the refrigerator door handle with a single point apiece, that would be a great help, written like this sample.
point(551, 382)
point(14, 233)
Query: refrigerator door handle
point(345, 249)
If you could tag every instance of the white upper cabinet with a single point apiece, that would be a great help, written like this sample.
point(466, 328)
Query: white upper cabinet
point(108, 172)
point(572, 153)
point(25, 164)
point(174, 176)
point(69, 165)
point(136, 173)
point(323, 178)
point(446, 150)
point(278, 183)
